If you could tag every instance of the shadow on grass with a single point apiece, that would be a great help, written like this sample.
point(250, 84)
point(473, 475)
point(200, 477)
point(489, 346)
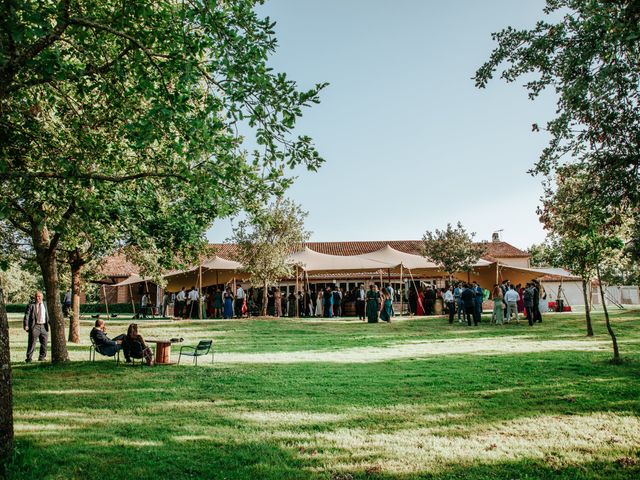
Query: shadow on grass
point(320, 420)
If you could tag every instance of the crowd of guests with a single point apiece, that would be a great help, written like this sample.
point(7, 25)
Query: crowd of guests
point(325, 302)
point(464, 300)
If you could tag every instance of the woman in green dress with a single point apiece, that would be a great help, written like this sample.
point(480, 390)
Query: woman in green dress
point(387, 307)
point(373, 304)
point(217, 304)
point(497, 316)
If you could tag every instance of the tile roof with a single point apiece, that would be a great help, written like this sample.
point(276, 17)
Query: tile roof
point(494, 249)
point(117, 265)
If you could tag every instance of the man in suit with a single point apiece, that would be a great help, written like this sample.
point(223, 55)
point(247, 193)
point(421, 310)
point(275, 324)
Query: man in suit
point(105, 345)
point(469, 299)
point(36, 324)
point(429, 300)
point(477, 314)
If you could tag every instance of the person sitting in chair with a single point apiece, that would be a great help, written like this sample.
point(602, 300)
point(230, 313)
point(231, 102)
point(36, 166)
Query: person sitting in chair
point(105, 345)
point(135, 347)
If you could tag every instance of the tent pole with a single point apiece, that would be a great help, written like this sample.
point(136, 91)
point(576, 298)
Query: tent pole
point(106, 302)
point(133, 304)
point(200, 291)
point(415, 287)
point(296, 295)
point(401, 291)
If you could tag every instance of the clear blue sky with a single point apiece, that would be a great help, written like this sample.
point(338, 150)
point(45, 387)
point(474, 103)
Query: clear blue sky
point(410, 144)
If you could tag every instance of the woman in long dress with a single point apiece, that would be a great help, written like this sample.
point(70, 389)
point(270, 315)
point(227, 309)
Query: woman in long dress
point(496, 295)
point(277, 298)
point(387, 307)
point(373, 304)
point(319, 300)
point(420, 303)
point(228, 303)
point(217, 303)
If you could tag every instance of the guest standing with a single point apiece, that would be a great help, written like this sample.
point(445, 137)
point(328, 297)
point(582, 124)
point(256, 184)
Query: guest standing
point(450, 302)
point(420, 303)
point(36, 324)
point(228, 303)
point(373, 304)
point(319, 303)
point(497, 316)
point(469, 299)
point(360, 301)
point(277, 302)
point(387, 307)
point(239, 301)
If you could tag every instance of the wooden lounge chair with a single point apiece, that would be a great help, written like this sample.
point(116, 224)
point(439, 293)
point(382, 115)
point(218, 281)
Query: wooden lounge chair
point(203, 348)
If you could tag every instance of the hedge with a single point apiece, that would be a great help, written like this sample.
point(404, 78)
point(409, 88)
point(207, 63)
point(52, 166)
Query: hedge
point(84, 308)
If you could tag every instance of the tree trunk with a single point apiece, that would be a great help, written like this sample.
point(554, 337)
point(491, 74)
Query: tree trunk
point(6, 400)
point(616, 352)
point(264, 300)
point(46, 258)
point(587, 311)
point(74, 321)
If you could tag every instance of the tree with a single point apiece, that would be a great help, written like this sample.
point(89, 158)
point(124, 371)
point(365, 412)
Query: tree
point(10, 243)
point(452, 249)
point(590, 58)
point(112, 103)
point(264, 241)
point(541, 255)
point(588, 231)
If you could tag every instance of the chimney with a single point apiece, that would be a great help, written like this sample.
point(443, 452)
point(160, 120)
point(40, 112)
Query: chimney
point(495, 237)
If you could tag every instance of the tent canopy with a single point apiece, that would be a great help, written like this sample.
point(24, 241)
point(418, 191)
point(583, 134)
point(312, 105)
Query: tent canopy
point(219, 270)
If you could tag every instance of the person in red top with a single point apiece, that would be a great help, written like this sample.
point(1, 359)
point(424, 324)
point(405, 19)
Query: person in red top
point(420, 305)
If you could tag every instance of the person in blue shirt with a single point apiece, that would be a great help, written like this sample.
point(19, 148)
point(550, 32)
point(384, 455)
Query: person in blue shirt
point(457, 295)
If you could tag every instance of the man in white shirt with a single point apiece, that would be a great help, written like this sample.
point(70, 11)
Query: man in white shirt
point(511, 299)
point(179, 307)
point(144, 304)
point(239, 301)
point(36, 324)
point(450, 302)
point(193, 297)
point(361, 296)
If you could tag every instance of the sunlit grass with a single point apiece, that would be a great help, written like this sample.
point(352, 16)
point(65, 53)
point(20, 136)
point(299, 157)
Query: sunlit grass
point(340, 400)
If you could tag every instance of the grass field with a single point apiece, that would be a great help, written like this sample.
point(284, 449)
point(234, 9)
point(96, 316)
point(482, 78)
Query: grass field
point(298, 399)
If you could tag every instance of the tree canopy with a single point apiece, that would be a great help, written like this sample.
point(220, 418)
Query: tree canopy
point(131, 112)
point(452, 249)
point(266, 239)
point(588, 54)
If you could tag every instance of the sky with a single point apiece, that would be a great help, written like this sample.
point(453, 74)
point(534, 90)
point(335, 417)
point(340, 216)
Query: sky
point(410, 143)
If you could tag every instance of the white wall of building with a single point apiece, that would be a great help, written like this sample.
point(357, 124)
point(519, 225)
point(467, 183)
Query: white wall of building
point(572, 294)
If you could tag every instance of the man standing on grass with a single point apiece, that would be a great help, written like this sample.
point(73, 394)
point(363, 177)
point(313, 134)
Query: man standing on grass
point(180, 299)
point(194, 297)
point(66, 303)
point(457, 292)
point(36, 324)
point(511, 299)
point(360, 300)
point(239, 302)
point(477, 289)
point(537, 316)
point(527, 296)
point(469, 300)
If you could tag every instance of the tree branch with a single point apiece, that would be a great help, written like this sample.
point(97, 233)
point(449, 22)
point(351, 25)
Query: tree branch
point(90, 176)
point(38, 46)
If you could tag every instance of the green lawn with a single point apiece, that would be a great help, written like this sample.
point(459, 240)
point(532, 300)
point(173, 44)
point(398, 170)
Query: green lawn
point(340, 400)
